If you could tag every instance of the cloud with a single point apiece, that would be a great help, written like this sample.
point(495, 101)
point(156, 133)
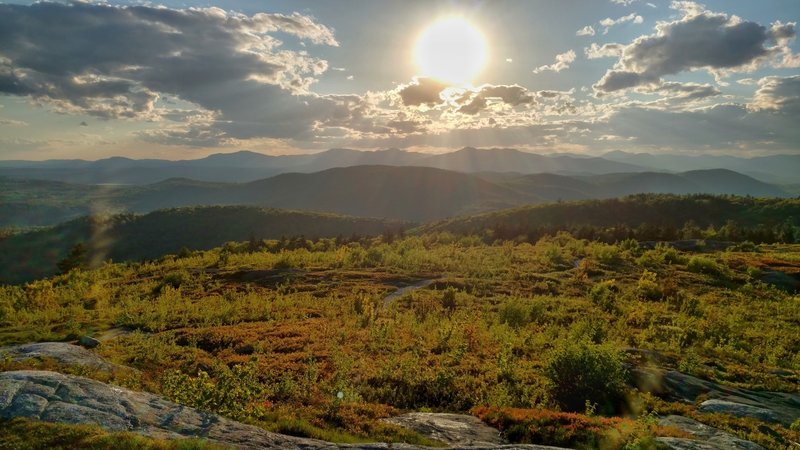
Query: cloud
point(688, 91)
point(13, 123)
point(588, 30)
point(223, 63)
point(781, 95)
point(422, 91)
point(729, 127)
point(563, 61)
point(610, 50)
point(608, 22)
point(513, 95)
point(699, 40)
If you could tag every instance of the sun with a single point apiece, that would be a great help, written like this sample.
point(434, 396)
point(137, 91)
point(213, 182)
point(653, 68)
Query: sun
point(451, 50)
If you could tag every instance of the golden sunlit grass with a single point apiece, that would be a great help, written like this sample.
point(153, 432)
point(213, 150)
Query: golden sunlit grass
point(295, 327)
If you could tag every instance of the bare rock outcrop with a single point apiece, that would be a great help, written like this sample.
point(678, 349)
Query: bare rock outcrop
point(703, 437)
point(452, 429)
point(60, 352)
point(778, 407)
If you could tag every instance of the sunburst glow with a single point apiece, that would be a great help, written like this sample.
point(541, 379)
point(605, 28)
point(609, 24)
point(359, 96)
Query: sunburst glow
point(451, 50)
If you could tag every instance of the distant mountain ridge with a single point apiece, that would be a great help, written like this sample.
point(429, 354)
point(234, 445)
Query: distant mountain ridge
point(783, 169)
point(416, 194)
point(244, 166)
point(247, 166)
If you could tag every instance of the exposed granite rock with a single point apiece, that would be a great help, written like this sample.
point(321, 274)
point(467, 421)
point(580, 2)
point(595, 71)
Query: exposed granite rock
point(55, 397)
point(60, 352)
point(738, 409)
point(703, 437)
point(452, 429)
point(777, 407)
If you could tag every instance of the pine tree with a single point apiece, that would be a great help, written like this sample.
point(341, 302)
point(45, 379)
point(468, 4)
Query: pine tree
point(76, 259)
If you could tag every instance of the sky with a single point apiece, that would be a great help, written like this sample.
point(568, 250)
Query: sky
point(185, 79)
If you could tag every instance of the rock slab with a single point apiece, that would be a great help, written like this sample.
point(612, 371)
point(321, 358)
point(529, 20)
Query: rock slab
point(738, 409)
point(55, 397)
point(778, 407)
point(452, 429)
point(60, 352)
point(703, 437)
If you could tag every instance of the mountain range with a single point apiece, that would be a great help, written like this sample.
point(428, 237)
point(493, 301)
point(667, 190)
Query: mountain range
point(416, 194)
point(247, 166)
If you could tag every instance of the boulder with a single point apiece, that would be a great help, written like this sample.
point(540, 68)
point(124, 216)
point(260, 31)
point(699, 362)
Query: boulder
point(703, 437)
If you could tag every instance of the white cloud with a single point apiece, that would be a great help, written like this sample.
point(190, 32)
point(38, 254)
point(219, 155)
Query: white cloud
point(608, 22)
point(699, 40)
point(778, 94)
point(588, 30)
point(610, 50)
point(563, 61)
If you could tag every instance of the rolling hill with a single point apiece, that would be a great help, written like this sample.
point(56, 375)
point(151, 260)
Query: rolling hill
point(633, 211)
point(780, 169)
point(34, 254)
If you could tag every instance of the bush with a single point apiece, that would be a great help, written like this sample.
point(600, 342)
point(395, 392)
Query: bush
point(701, 264)
point(540, 426)
point(603, 295)
point(514, 314)
point(580, 372)
point(647, 287)
point(231, 393)
point(606, 254)
point(449, 299)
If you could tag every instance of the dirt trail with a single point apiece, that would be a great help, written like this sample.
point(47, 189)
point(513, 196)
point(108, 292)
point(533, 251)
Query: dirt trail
point(405, 290)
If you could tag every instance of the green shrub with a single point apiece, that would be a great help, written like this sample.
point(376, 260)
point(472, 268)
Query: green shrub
point(606, 254)
point(647, 287)
point(591, 329)
point(603, 295)
point(514, 314)
point(449, 299)
point(702, 264)
point(581, 372)
point(283, 262)
point(230, 393)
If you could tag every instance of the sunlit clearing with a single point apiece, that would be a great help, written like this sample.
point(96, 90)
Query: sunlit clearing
point(451, 50)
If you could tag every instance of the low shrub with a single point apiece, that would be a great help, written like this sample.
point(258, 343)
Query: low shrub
point(581, 372)
point(702, 264)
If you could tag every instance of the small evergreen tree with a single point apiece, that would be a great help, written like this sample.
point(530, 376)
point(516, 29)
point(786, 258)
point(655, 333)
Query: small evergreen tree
point(76, 259)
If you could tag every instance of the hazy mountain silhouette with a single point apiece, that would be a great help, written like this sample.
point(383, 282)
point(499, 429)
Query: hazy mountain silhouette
point(246, 166)
point(406, 193)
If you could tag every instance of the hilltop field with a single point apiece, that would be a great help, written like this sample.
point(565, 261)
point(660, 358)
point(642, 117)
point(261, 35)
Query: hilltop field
point(544, 340)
